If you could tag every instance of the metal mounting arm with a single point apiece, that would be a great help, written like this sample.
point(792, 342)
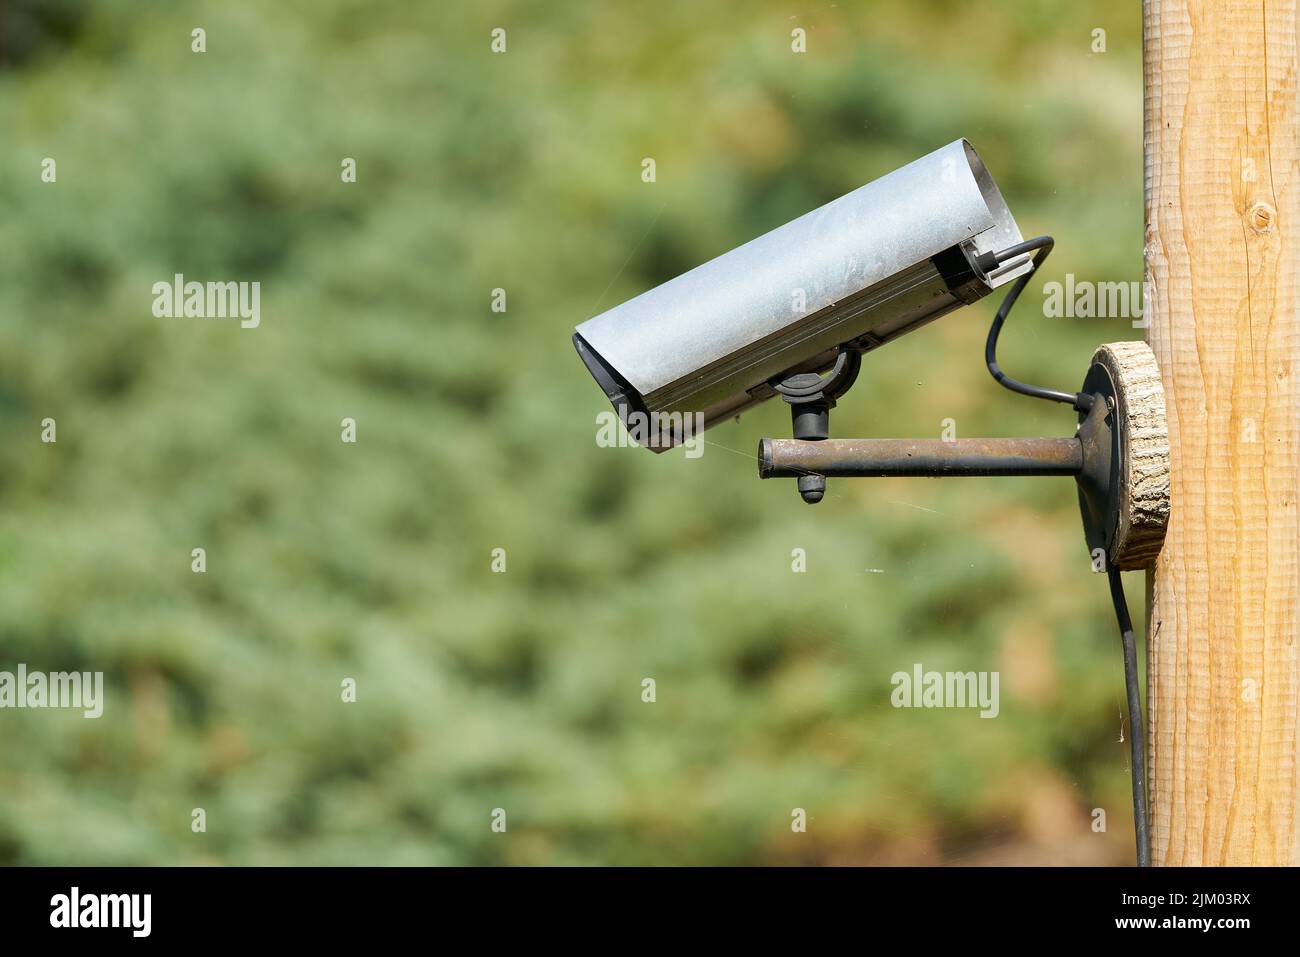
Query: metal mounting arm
point(878, 458)
point(1118, 457)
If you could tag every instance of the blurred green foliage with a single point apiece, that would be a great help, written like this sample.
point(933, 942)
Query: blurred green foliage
point(476, 431)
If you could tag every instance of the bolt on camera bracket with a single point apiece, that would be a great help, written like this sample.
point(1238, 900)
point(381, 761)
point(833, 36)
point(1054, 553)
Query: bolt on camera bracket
point(1119, 456)
point(811, 397)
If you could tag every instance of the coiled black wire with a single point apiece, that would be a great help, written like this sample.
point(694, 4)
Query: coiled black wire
point(1043, 244)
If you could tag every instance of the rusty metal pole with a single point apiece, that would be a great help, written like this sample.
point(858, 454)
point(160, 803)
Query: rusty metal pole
point(877, 458)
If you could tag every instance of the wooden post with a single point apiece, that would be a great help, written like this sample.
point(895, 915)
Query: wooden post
point(1223, 260)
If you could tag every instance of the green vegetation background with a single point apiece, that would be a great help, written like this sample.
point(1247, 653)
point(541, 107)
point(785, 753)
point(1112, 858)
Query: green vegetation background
point(476, 431)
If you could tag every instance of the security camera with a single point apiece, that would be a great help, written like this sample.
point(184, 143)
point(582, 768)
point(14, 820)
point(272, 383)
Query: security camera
point(775, 315)
point(791, 314)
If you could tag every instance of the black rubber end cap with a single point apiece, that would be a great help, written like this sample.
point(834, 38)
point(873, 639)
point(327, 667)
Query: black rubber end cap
point(812, 488)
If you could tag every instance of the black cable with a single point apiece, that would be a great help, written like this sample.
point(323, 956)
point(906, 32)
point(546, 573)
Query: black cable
point(1082, 403)
point(1078, 400)
point(1137, 724)
point(1045, 243)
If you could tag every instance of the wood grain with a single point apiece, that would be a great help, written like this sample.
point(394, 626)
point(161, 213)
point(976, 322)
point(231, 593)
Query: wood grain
point(1221, 254)
point(1144, 450)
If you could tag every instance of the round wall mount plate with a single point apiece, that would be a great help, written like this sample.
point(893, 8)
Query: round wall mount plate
point(1125, 503)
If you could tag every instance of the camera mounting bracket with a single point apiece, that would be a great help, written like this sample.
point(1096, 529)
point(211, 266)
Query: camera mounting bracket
point(811, 397)
point(1119, 455)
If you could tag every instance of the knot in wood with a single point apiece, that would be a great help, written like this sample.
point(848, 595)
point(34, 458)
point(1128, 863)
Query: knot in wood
point(1262, 217)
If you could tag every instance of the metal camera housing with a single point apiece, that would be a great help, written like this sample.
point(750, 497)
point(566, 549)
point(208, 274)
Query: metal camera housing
point(853, 274)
